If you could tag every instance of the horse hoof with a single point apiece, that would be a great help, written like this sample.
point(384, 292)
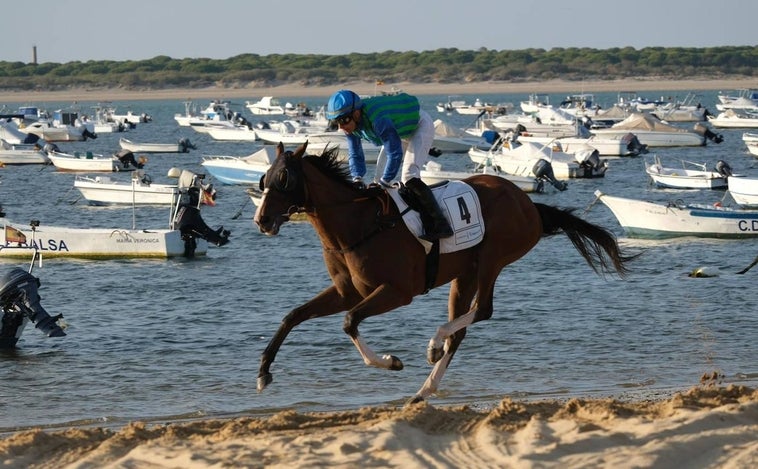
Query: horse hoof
point(396, 365)
point(434, 354)
point(264, 380)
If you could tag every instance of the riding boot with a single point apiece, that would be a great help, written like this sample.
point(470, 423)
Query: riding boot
point(435, 224)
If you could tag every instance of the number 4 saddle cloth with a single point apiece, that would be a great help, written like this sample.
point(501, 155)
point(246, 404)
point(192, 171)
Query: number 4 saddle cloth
point(461, 207)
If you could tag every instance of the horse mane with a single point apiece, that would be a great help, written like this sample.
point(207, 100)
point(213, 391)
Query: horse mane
point(329, 163)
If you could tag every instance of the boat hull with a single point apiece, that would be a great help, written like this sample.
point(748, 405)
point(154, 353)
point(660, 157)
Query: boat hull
point(102, 191)
point(234, 171)
point(94, 243)
point(744, 191)
point(526, 184)
point(641, 219)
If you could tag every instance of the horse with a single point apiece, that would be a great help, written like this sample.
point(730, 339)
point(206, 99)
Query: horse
point(377, 264)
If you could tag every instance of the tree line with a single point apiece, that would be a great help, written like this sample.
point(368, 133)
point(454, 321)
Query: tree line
point(448, 65)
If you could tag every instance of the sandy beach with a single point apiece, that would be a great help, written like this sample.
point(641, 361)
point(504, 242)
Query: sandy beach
point(283, 91)
point(705, 427)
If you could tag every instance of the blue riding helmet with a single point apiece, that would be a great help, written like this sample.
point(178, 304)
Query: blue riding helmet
point(342, 102)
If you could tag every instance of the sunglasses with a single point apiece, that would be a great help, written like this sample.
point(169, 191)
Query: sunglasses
point(346, 119)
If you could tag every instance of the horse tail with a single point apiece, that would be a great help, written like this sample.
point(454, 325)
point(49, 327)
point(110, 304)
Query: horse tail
point(596, 244)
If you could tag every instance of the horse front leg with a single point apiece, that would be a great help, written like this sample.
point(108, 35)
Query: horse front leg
point(383, 299)
point(325, 303)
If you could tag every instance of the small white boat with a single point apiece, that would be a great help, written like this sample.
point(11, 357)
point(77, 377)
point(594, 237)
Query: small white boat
point(449, 140)
point(613, 145)
point(94, 162)
point(128, 118)
point(266, 106)
point(733, 119)
point(234, 133)
point(433, 173)
point(19, 240)
point(215, 111)
point(643, 219)
point(104, 190)
point(140, 189)
point(690, 176)
point(22, 153)
point(240, 170)
point(521, 159)
point(744, 191)
point(182, 146)
point(287, 132)
point(46, 130)
point(187, 235)
point(745, 98)
point(751, 142)
point(654, 133)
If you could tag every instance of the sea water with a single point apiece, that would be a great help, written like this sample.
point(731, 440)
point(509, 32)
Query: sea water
point(160, 340)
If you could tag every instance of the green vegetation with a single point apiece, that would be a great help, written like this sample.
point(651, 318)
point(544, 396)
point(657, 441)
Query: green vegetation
point(438, 66)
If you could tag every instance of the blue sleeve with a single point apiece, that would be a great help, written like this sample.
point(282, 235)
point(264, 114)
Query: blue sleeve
point(393, 147)
point(356, 158)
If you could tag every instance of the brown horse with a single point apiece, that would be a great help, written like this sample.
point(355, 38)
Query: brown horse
point(376, 264)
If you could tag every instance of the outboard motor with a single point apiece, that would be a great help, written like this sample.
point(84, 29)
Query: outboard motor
point(87, 134)
point(192, 225)
point(19, 302)
point(723, 168)
point(126, 157)
point(588, 159)
point(185, 145)
point(31, 138)
point(634, 146)
point(544, 170)
point(700, 129)
point(188, 220)
point(50, 147)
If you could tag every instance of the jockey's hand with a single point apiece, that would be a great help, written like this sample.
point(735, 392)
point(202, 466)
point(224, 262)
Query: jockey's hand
point(358, 183)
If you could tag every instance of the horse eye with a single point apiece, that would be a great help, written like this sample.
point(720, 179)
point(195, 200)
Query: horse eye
point(262, 184)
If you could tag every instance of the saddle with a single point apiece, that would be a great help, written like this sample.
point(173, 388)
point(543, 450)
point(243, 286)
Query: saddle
point(460, 205)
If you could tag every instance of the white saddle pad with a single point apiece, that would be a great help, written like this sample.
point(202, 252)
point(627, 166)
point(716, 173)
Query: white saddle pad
point(461, 207)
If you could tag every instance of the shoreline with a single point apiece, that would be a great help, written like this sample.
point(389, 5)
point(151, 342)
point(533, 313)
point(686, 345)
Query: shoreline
point(283, 91)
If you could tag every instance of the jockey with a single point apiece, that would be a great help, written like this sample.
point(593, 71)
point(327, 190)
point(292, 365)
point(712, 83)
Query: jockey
point(407, 133)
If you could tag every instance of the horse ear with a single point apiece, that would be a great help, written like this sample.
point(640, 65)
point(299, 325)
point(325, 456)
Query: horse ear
point(279, 148)
point(301, 149)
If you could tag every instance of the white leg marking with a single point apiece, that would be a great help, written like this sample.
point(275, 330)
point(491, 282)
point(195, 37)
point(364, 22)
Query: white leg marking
point(369, 357)
point(446, 330)
point(431, 383)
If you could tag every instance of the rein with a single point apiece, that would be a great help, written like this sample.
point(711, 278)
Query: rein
point(383, 220)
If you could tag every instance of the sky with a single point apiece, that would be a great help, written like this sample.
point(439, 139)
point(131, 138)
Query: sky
point(65, 31)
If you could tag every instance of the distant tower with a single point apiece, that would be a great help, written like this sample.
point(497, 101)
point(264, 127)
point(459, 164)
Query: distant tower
point(34, 55)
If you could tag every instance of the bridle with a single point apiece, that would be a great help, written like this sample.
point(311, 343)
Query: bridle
point(287, 180)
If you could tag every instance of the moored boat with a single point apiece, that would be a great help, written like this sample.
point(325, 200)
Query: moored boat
point(182, 146)
point(690, 176)
point(642, 219)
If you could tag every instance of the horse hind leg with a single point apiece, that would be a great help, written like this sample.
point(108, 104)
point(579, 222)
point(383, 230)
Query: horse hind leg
point(462, 293)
